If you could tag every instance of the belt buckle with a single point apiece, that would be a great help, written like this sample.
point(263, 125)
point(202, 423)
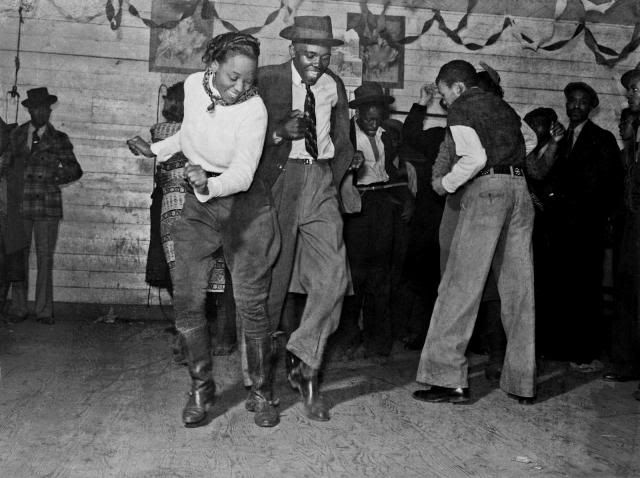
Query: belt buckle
point(308, 161)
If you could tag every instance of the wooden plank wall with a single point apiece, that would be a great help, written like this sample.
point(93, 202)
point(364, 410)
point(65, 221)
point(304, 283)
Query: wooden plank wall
point(106, 95)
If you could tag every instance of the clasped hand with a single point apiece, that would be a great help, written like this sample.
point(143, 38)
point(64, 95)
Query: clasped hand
point(196, 177)
point(294, 127)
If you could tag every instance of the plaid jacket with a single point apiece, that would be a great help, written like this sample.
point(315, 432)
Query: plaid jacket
point(41, 170)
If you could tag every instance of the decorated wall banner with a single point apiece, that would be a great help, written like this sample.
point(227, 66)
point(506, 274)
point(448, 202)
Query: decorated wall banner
point(380, 47)
point(178, 49)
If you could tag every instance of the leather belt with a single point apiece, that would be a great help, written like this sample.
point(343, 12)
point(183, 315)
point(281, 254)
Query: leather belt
point(211, 174)
point(309, 160)
point(378, 186)
point(510, 170)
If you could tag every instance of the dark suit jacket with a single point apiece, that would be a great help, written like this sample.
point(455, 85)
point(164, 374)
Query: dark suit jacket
point(587, 181)
point(275, 83)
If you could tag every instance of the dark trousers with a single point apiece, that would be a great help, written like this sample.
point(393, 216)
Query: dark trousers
point(577, 249)
point(313, 259)
point(625, 330)
point(369, 240)
point(45, 233)
point(245, 226)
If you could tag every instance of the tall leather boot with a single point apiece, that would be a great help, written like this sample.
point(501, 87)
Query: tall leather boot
point(197, 350)
point(260, 399)
point(305, 379)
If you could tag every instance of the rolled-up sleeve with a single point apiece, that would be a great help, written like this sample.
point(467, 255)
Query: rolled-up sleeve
point(166, 148)
point(473, 157)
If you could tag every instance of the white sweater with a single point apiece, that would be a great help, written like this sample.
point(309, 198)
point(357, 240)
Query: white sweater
point(228, 141)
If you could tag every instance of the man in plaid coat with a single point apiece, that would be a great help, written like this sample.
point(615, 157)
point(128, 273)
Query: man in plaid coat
point(40, 160)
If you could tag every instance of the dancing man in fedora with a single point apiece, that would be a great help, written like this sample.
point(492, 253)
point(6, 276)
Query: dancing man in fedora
point(307, 152)
point(41, 159)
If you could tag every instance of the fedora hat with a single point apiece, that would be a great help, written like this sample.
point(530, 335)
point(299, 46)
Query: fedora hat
point(39, 96)
point(579, 85)
point(370, 92)
point(629, 76)
point(311, 29)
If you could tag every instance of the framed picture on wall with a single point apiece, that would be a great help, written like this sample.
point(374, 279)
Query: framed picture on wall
point(178, 49)
point(382, 56)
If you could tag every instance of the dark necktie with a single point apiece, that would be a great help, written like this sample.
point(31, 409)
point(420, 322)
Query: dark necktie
point(310, 135)
point(35, 138)
point(569, 134)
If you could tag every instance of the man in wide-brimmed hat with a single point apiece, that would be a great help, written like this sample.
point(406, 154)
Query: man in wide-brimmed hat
point(41, 159)
point(369, 233)
point(307, 153)
point(586, 186)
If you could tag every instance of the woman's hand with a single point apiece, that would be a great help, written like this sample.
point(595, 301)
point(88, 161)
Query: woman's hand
point(197, 177)
point(139, 146)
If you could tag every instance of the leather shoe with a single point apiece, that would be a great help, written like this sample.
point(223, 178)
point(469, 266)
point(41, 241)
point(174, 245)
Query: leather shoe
point(46, 320)
point(523, 400)
point(618, 377)
point(15, 319)
point(305, 380)
point(438, 394)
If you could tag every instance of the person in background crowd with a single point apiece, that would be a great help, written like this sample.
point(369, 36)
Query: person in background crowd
point(41, 159)
point(402, 219)
point(544, 121)
point(585, 190)
point(222, 136)
point(493, 231)
point(625, 331)
point(421, 269)
point(369, 234)
point(306, 155)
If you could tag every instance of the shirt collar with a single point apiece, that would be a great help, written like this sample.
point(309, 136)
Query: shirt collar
point(41, 129)
point(577, 128)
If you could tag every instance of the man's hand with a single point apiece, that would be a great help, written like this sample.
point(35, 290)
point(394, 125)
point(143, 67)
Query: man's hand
point(294, 127)
point(197, 177)
point(139, 146)
point(436, 184)
point(427, 92)
point(408, 209)
point(557, 131)
point(357, 161)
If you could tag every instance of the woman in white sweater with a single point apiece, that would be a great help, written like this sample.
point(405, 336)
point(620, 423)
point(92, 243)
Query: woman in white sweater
point(222, 135)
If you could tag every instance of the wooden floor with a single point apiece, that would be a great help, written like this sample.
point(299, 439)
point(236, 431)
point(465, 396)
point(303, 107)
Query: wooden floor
point(80, 399)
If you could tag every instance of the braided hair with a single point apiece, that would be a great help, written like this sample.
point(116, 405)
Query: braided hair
point(220, 47)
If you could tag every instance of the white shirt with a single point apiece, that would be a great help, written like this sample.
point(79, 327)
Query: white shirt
point(473, 158)
point(373, 169)
point(228, 141)
point(325, 92)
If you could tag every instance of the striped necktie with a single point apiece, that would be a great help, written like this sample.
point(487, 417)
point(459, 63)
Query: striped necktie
point(310, 135)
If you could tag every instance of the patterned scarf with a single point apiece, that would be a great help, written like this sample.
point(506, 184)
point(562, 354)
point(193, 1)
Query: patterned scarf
point(216, 99)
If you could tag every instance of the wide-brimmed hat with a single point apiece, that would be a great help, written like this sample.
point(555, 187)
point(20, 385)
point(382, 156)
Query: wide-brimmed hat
point(580, 85)
point(370, 93)
point(630, 76)
point(311, 29)
point(39, 96)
